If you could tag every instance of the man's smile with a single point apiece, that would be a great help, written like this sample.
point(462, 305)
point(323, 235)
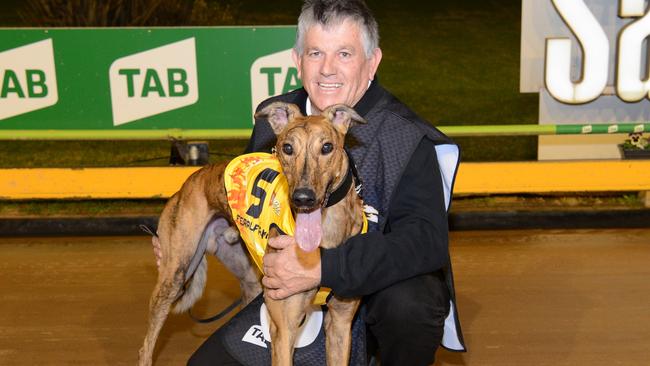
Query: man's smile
point(330, 86)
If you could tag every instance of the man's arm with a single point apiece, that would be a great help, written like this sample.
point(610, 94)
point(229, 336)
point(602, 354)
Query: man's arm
point(415, 240)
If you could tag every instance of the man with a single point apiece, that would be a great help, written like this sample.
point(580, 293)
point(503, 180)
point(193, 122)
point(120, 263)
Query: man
point(401, 267)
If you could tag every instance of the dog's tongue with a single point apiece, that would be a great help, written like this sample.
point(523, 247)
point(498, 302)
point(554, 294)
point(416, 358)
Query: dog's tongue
point(308, 230)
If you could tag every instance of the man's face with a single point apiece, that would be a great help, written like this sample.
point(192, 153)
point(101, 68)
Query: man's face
point(334, 67)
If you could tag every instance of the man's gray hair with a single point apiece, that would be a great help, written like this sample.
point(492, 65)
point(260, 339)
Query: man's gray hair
point(333, 12)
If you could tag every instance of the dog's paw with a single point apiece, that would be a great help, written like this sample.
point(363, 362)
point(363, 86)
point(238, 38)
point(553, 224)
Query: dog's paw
point(231, 235)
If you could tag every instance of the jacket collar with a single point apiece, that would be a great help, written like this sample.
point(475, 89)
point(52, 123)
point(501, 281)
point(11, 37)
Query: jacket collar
point(369, 99)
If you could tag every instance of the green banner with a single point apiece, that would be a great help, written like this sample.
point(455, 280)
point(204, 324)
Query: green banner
point(137, 78)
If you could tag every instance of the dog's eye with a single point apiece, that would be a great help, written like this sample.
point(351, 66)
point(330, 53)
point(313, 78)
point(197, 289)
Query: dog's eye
point(287, 149)
point(327, 148)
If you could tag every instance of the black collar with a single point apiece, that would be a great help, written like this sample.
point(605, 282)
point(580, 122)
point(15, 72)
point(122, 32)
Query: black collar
point(342, 190)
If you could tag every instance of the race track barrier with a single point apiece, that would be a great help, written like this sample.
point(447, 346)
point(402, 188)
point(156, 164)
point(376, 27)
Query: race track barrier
point(473, 179)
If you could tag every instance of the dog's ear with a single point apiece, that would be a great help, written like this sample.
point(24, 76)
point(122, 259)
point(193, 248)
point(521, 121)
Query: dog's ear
point(342, 117)
point(279, 114)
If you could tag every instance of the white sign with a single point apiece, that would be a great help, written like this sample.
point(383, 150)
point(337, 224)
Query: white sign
point(272, 75)
point(595, 54)
point(589, 64)
point(27, 79)
point(154, 81)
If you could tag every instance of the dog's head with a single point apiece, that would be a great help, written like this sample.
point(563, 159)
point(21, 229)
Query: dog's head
point(310, 150)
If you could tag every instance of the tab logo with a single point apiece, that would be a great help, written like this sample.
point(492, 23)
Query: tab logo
point(272, 75)
point(27, 79)
point(255, 335)
point(154, 81)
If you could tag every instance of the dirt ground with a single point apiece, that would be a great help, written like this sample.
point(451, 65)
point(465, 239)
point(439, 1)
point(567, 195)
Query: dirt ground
point(571, 297)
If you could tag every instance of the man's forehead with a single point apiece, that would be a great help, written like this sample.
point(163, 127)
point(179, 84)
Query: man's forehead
point(347, 31)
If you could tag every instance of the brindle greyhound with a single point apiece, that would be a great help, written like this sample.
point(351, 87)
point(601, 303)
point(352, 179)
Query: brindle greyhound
point(310, 150)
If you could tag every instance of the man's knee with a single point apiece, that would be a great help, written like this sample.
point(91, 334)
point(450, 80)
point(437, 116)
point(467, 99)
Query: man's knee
point(421, 301)
point(203, 355)
point(212, 352)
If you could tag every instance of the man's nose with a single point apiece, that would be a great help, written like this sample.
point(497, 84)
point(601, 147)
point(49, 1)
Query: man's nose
point(328, 66)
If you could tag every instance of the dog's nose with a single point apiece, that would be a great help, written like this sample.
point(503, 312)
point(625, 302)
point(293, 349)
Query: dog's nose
point(304, 197)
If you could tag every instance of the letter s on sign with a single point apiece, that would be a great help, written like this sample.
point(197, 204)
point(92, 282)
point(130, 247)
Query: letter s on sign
point(595, 58)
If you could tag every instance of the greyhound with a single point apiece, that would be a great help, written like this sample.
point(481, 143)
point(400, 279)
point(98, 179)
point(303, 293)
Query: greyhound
point(310, 152)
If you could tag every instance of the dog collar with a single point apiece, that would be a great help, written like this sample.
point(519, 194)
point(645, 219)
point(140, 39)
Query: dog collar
point(342, 190)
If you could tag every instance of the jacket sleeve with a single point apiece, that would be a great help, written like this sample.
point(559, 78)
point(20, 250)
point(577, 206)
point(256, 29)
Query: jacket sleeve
point(414, 242)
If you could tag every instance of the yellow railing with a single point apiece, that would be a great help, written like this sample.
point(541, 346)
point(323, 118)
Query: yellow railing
point(473, 178)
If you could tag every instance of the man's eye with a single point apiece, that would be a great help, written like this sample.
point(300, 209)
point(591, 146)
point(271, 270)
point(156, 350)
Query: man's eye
point(287, 149)
point(327, 148)
point(314, 53)
point(345, 54)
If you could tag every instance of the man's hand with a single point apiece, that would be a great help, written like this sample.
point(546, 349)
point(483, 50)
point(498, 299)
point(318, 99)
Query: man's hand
point(290, 270)
point(156, 249)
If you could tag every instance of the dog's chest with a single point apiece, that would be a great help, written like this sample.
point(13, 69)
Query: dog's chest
point(338, 225)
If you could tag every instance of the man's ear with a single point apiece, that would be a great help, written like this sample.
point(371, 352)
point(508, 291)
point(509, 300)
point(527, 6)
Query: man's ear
point(374, 62)
point(342, 117)
point(279, 114)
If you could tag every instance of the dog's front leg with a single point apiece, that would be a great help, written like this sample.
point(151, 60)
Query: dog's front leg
point(338, 329)
point(286, 316)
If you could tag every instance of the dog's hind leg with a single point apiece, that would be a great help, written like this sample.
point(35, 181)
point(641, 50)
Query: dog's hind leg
point(228, 247)
point(179, 230)
point(234, 257)
point(194, 287)
point(166, 291)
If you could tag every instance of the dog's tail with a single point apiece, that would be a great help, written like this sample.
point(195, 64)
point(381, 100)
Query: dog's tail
point(193, 288)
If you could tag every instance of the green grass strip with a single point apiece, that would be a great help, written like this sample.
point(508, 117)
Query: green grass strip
point(216, 134)
point(498, 130)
